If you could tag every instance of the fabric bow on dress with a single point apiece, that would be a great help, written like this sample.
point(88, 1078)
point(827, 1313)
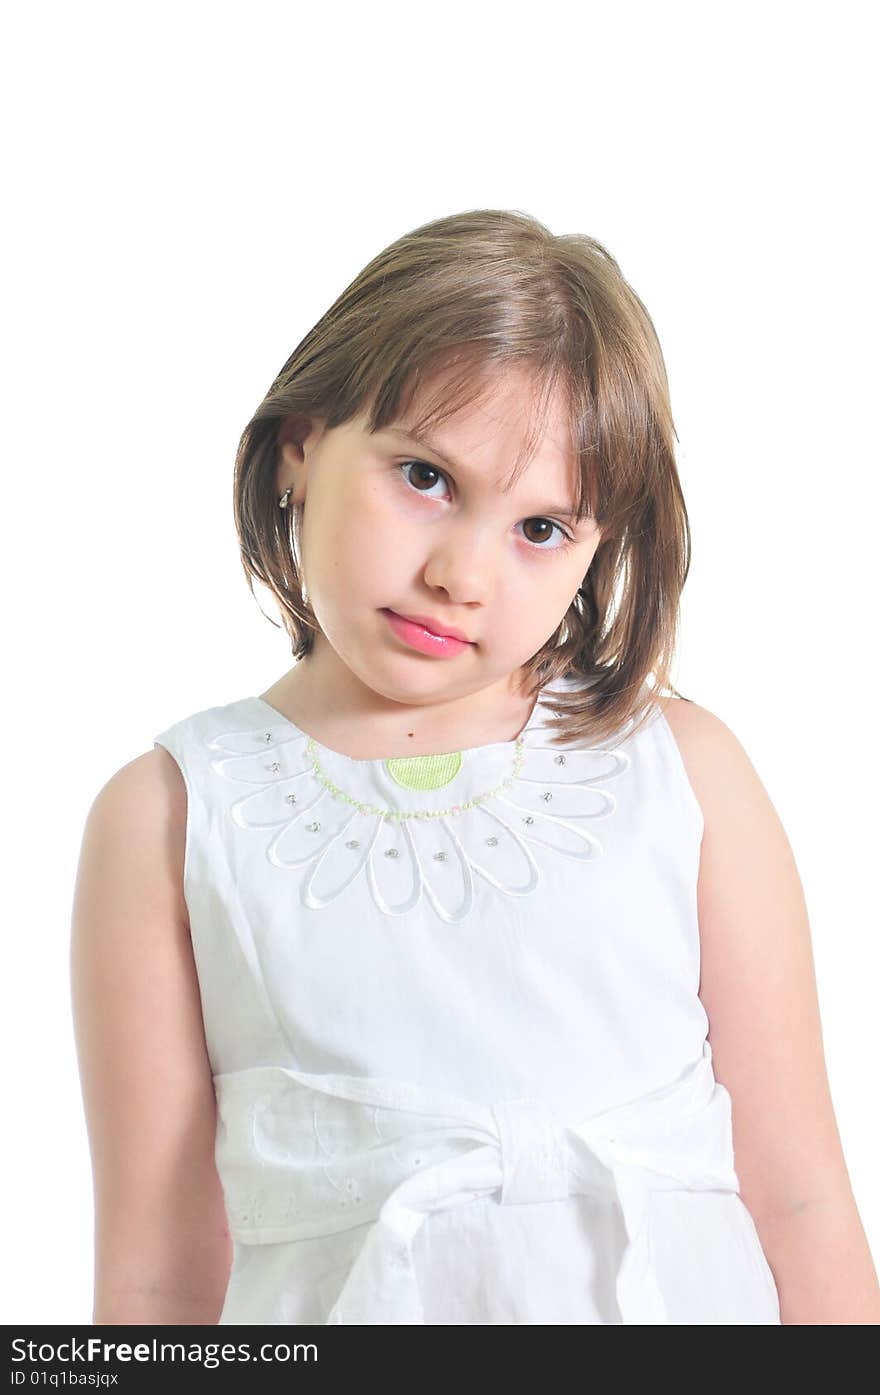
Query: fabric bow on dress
point(319, 1153)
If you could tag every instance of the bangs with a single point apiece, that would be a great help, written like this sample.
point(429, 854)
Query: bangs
point(452, 383)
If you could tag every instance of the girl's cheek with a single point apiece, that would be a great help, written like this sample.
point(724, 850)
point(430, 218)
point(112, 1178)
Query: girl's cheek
point(406, 519)
point(378, 499)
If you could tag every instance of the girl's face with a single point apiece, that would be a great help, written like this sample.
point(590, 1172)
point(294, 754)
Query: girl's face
point(392, 524)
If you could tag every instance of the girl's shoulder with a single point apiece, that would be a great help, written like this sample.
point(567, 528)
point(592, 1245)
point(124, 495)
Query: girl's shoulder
point(706, 746)
point(756, 971)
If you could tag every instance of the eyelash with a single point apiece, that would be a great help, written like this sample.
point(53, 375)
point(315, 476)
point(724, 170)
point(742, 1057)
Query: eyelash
point(567, 539)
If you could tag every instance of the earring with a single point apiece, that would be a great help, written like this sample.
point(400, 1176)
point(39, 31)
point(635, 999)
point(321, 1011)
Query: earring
point(282, 502)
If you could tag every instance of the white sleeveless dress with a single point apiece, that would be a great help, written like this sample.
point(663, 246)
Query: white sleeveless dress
point(450, 1004)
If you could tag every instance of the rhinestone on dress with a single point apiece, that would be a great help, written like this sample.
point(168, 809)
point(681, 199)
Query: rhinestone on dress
point(391, 852)
point(290, 798)
point(353, 843)
point(275, 766)
point(546, 796)
point(528, 819)
point(493, 842)
point(267, 736)
point(439, 857)
point(560, 760)
point(313, 827)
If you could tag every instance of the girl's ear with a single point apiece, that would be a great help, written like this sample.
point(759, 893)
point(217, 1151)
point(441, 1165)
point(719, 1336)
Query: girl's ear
point(292, 432)
point(294, 429)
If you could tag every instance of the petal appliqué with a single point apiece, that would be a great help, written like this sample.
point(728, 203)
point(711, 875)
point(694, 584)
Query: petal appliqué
point(278, 803)
point(311, 833)
point(447, 876)
point(341, 859)
point(563, 837)
point(484, 842)
point(556, 787)
point(258, 756)
point(392, 866)
point(554, 767)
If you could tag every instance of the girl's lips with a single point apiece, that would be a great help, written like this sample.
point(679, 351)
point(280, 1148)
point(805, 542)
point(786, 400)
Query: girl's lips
point(417, 637)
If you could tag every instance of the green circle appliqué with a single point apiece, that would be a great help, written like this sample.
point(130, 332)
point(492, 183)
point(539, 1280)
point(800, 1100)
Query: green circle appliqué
point(424, 772)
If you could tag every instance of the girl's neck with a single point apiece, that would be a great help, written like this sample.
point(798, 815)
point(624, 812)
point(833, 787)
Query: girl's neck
point(352, 718)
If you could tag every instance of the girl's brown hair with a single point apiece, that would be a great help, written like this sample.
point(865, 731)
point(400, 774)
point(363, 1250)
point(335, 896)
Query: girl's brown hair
point(473, 293)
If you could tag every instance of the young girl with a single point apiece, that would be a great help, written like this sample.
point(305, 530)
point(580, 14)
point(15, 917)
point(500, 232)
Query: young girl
point(462, 976)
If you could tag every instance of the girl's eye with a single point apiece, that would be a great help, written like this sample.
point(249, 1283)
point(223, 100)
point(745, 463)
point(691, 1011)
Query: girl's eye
point(422, 468)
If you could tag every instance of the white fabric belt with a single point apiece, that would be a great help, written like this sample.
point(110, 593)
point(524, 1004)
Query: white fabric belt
point(302, 1155)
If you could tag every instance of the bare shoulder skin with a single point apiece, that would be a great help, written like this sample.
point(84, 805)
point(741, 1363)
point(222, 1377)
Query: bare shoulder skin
point(758, 987)
point(162, 1249)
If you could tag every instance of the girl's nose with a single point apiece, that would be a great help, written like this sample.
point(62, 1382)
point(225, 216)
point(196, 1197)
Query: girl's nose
point(464, 568)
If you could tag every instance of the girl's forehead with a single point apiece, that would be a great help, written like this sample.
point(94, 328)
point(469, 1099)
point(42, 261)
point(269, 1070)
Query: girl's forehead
point(489, 399)
point(507, 418)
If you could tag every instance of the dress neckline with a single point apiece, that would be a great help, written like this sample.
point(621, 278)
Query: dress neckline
point(365, 763)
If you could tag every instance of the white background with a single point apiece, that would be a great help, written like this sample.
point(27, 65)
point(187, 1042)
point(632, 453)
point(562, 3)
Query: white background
point(189, 186)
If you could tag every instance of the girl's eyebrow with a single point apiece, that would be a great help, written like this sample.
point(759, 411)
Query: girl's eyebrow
point(562, 510)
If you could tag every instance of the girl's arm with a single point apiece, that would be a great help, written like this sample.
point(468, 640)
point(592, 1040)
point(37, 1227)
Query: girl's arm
point(162, 1248)
point(758, 987)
